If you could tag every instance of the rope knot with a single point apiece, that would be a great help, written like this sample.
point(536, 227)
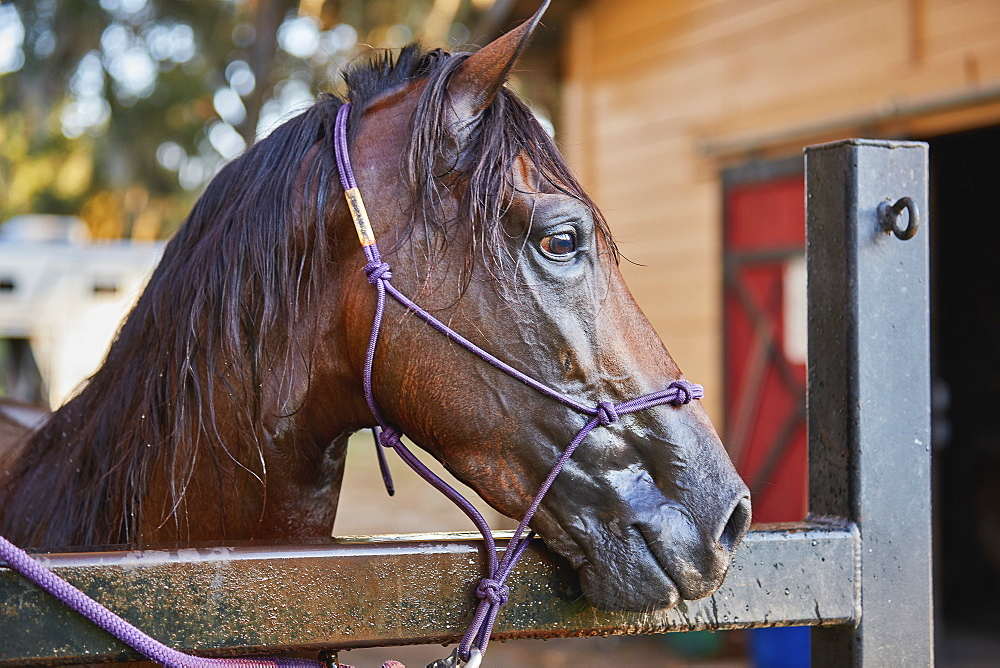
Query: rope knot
point(606, 413)
point(378, 271)
point(493, 591)
point(686, 391)
point(389, 437)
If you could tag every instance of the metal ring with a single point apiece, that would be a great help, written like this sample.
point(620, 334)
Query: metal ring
point(455, 661)
point(330, 658)
point(888, 216)
point(475, 658)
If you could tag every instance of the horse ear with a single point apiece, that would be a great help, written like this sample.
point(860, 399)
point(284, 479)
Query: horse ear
point(477, 80)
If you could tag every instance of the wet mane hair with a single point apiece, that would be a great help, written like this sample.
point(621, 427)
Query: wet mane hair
point(231, 300)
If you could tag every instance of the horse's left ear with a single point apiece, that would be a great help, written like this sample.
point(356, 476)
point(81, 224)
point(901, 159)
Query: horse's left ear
point(477, 80)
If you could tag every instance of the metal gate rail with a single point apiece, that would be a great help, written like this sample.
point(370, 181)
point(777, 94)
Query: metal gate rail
point(859, 573)
point(376, 593)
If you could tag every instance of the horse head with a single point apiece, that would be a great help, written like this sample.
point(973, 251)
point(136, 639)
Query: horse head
point(486, 228)
point(223, 408)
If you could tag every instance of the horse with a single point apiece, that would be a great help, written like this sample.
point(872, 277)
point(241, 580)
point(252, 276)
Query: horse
point(223, 408)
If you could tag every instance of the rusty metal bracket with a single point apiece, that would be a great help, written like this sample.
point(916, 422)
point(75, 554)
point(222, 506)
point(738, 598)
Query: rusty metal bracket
point(889, 215)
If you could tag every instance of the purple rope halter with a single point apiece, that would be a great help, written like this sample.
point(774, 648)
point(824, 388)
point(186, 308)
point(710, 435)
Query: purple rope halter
point(492, 590)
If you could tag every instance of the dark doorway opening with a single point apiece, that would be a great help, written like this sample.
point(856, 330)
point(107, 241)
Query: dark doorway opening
point(965, 280)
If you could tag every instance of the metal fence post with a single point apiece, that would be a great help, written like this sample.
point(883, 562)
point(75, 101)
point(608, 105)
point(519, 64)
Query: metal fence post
point(869, 391)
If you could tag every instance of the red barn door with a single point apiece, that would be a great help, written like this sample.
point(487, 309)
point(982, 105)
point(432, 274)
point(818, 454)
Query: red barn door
point(765, 342)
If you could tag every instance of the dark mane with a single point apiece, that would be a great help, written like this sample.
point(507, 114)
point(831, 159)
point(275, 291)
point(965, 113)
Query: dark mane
point(218, 312)
point(229, 307)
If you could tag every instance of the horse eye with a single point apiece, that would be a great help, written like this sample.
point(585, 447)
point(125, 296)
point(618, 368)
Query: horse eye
point(563, 243)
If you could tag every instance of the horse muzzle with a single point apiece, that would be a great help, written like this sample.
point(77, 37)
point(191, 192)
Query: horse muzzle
point(639, 549)
point(695, 562)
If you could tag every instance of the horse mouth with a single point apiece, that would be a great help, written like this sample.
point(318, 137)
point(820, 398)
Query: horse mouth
point(647, 567)
point(630, 578)
point(690, 583)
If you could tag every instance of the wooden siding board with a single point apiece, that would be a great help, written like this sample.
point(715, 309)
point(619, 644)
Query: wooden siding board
point(724, 35)
point(660, 197)
point(699, 25)
point(983, 31)
point(658, 18)
point(638, 178)
point(576, 138)
point(958, 21)
point(823, 57)
point(988, 63)
point(704, 93)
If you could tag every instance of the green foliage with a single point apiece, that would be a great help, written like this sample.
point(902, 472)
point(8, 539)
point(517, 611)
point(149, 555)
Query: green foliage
point(120, 110)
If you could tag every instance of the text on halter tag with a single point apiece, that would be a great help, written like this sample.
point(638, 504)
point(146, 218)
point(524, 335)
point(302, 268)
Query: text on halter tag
point(361, 224)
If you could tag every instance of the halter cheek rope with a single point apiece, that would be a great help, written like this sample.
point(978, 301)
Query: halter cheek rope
point(492, 590)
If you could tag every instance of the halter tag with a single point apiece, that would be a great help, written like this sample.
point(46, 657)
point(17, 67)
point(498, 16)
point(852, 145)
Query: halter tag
point(360, 216)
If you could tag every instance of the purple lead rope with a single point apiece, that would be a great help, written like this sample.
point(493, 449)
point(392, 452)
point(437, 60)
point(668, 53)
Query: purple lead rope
point(492, 590)
point(149, 647)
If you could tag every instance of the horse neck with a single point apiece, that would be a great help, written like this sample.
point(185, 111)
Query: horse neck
point(57, 476)
point(141, 455)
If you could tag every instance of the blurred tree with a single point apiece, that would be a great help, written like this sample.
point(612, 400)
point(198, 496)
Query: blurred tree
point(120, 110)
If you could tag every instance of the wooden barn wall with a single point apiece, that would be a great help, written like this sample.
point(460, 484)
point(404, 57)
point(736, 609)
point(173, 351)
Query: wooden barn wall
point(661, 95)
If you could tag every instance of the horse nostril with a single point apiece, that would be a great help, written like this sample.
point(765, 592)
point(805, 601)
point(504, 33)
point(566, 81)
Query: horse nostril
point(737, 525)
